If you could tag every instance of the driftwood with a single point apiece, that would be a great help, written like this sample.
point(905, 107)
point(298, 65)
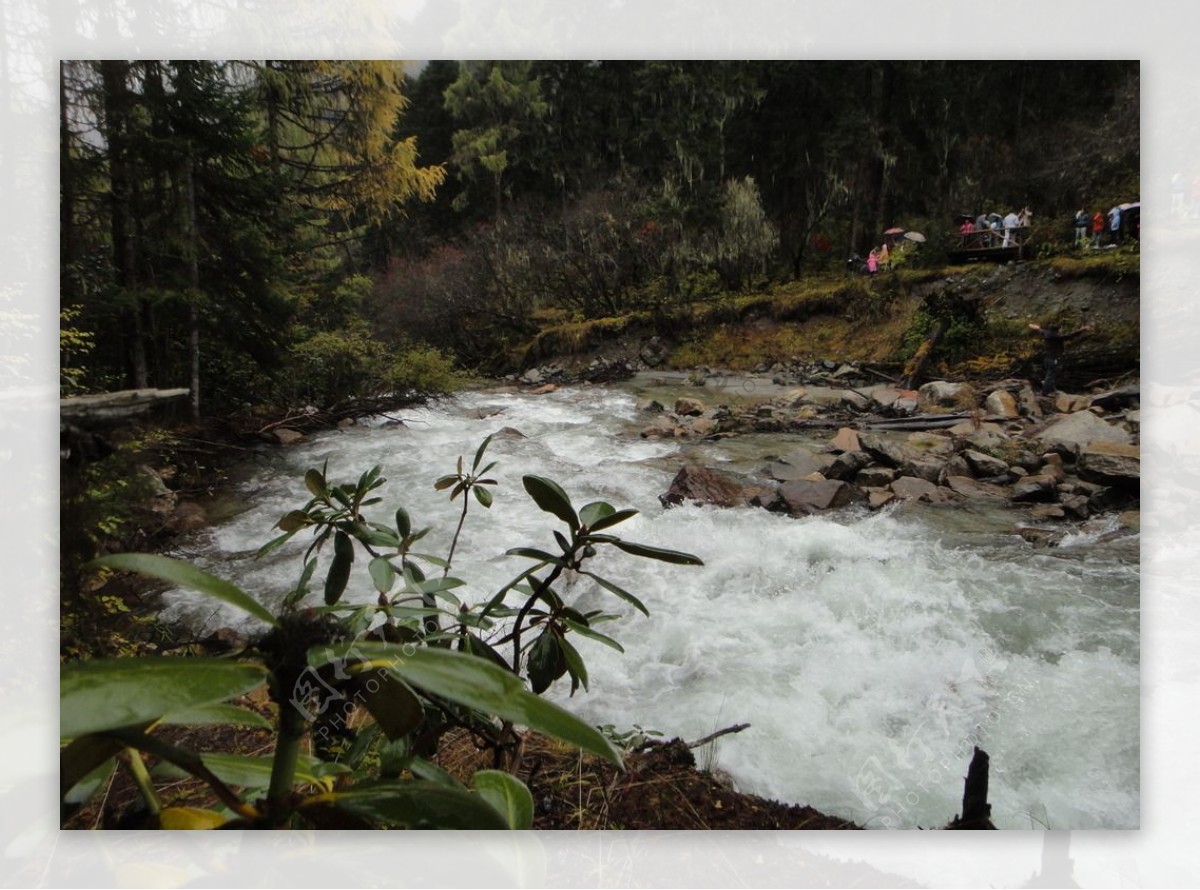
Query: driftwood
point(712, 736)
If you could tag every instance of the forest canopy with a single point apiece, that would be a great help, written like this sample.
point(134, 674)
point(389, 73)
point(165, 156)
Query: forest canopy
point(291, 232)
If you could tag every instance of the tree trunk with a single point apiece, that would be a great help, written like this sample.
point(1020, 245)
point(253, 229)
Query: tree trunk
point(116, 114)
point(192, 239)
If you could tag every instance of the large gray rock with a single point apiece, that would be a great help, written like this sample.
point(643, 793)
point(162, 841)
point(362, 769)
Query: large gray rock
point(944, 394)
point(798, 464)
point(845, 440)
point(975, 490)
point(910, 488)
point(847, 465)
point(704, 486)
point(875, 477)
point(689, 407)
point(1075, 431)
point(1035, 488)
point(1002, 404)
point(804, 497)
point(1110, 463)
point(984, 464)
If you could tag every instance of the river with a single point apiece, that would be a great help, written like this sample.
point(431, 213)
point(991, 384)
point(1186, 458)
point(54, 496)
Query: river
point(869, 652)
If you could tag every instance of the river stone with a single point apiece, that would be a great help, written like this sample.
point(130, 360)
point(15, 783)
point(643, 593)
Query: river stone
point(804, 497)
point(1075, 431)
point(910, 488)
point(877, 499)
point(931, 443)
point(1002, 404)
point(972, 488)
point(1035, 488)
point(798, 464)
point(664, 427)
point(1048, 511)
point(702, 426)
point(845, 440)
point(1110, 462)
point(1028, 401)
point(984, 464)
point(856, 400)
point(544, 389)
point(287, 436)
point(649, 406)
point(884, 396)
point(847, 464)
point(887, 451)
point(704, 486)
point(945, 394)
point(875, 477)
point(689, 407)
point(508, 432)
point(981, 435)
point(188, 516)
point(1118, 399)
point(1075, 504)
point(532, 376)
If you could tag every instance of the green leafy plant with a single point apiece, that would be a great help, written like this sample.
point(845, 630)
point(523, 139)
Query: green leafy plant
point(392, 658)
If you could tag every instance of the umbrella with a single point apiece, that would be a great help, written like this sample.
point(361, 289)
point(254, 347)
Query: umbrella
point(914, 236)
point(893, 231)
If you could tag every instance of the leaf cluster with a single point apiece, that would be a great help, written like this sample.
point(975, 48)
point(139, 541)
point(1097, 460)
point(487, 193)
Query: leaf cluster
point(392, 660)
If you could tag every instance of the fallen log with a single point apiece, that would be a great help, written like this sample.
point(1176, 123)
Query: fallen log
point(106, 406)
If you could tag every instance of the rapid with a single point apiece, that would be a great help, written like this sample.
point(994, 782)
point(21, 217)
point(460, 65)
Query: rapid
point(869, 652)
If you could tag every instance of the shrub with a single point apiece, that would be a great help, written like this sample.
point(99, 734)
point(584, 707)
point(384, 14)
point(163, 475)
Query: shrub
point(417, 660)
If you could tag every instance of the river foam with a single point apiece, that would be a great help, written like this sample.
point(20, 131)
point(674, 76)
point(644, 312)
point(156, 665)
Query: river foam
point(869, 652)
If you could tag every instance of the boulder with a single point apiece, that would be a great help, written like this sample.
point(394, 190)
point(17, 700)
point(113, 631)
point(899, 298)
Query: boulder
point(804, 497)
point(911, 488)
point(1075, 431)
point(984, 464)
point(188, 516)
point(1076, 505)
point(973, 489)
point(1028, 401)
point(649, 406)
point(798, 464)
point(878, 498)
point(1035, 488)
point(702, 426)
point(875, 477)
point(702, 485)
point(945, 394)
point(884, 396)
point(847, 465)
point(1001, 404)
point(544, 389)
point(663, 427)
point(1118, 399)
point(845, 440)
point(508, 432)
point(1110, 463)
point(689, 407)
point(286, 436)
point(981, 435)
point(855, 400)
point(928, 443)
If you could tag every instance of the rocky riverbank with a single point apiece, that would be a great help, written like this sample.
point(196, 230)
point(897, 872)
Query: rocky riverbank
point(1065, 457)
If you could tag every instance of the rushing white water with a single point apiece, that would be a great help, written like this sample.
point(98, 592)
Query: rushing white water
point(869, 652)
